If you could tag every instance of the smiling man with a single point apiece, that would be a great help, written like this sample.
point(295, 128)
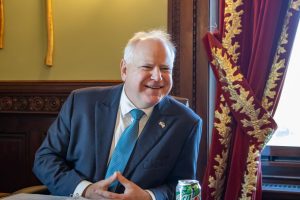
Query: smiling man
point(131, 141)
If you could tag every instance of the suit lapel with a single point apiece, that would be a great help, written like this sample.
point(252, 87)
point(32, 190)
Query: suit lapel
point(105, 116)
point(157, 125)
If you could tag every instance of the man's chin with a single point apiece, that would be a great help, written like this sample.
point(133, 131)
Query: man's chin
point(153, 100)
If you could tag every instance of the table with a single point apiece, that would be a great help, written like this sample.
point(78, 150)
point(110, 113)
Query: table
point(23, 196)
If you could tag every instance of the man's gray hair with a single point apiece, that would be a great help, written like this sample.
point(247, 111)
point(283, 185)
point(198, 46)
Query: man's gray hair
point(164, 37)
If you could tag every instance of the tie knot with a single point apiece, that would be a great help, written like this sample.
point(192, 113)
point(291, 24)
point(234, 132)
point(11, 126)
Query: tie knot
point(136, 114)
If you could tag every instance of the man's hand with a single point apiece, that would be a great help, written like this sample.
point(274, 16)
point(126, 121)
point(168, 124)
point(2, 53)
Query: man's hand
point(98, 190)
point(132, 191)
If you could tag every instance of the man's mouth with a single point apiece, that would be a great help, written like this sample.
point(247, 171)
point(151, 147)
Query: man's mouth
point(154, 86)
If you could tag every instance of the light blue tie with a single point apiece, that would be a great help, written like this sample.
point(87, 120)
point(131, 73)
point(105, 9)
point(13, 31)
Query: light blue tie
point(124, 147)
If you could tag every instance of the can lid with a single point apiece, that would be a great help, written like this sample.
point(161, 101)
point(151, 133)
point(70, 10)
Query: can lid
point(188, 181)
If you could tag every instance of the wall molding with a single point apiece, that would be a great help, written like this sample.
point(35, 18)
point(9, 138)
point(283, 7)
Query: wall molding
point(44, 97)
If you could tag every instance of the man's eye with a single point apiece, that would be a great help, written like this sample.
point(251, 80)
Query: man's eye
point(165, 69)
point(146, 67)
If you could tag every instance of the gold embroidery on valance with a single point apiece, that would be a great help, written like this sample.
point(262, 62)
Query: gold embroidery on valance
point(256, 121)
point(279, 62)
point(232, 27)
point(222, 126)
point(296, 5)
point(225, 120)
point(242, 102)
point(251, 176)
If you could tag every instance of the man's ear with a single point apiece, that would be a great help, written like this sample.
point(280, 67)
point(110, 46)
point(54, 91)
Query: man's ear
point(123, 68)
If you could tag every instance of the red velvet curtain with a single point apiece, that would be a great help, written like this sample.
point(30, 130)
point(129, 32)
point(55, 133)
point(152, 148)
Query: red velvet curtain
point(249, 57)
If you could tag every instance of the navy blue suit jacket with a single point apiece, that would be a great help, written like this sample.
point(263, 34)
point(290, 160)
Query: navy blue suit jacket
point(78, 143)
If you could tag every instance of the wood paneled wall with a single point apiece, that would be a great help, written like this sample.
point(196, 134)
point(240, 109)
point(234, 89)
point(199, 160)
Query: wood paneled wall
point(188, 22)
point(26, 111)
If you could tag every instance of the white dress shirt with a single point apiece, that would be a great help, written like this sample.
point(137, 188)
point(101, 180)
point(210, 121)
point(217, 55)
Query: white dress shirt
point(123, 120)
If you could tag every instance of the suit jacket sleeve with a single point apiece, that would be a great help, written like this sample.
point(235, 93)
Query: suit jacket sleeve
point(50, 165)
point(186, 165)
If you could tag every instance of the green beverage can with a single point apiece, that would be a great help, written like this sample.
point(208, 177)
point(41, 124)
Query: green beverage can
point(188, 190)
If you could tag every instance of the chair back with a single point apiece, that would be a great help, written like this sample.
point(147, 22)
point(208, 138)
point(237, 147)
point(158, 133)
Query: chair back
point(183, 100)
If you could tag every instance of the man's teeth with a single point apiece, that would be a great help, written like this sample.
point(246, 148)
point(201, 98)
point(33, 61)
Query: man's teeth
point(154, 87)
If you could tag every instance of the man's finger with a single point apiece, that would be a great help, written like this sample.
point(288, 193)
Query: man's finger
point(124, 181)
point(109, 180)
point(108, 194)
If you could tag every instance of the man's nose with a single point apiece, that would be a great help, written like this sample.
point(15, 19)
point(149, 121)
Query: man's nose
point(156, 74)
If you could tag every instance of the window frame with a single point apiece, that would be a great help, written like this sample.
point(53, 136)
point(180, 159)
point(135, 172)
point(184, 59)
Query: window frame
point(280, 172)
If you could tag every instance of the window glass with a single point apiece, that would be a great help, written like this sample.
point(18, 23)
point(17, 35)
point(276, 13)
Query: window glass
point(287, 115)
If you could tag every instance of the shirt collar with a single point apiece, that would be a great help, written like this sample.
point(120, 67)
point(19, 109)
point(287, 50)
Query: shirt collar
point(126, 105)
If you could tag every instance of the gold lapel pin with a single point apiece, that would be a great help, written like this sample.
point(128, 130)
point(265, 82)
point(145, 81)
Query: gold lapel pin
point(162, 124)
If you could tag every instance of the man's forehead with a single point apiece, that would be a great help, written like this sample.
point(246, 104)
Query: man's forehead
point(148, 42)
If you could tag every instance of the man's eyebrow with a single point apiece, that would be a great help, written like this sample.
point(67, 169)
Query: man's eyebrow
point(165, 66)
point(151, 65)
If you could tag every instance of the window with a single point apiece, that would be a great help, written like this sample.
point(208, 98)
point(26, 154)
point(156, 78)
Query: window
point(281, 156)
point(288, 110)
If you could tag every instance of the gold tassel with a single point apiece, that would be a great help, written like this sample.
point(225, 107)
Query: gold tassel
point(49, 55)
point(1, 24)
